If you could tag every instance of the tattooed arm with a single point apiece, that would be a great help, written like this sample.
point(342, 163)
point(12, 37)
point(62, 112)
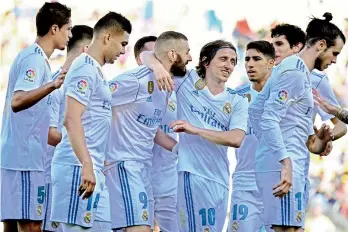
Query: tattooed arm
point(342, 115)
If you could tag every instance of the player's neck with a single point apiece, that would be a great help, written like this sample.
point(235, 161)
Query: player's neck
point(309, 55)
point(258, 85)
point(94, 52)
point(214, 86)
point(69, 59)
point(46, 44)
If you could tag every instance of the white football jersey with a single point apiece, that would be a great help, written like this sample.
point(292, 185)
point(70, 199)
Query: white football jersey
point(85, 83)
point(222, 112)
point(138, 107)
point(24, 134)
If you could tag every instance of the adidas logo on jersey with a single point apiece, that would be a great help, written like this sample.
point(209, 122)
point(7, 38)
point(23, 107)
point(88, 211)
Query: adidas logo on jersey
point(195, 92)
point(149, 99)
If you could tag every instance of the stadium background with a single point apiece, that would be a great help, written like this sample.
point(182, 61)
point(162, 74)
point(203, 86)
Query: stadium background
point(202, 21)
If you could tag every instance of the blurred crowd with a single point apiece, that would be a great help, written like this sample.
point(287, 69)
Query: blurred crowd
point(208, 20)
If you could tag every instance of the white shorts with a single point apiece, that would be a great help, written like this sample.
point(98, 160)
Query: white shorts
point(246, 213)
point(67, 206)
point(165, 213)
point(47, 224)
point(131, 198)
point(22, 195)
point(202, 204)
point(288, 210)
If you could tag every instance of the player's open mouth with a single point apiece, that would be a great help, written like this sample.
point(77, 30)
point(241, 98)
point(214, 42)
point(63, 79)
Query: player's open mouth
point(225, 72)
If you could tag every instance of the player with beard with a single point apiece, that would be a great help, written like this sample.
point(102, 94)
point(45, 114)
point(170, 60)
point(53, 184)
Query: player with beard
point(25, 121)
point(138, 108)
point(211, 118)
point(164, 176)
point(289, 40)
point(281, 116)
point(246, 206)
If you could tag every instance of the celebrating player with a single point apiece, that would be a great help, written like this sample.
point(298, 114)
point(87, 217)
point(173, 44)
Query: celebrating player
point(79, 158)
point(281, 116)
point(213, 117)
point(81, 38)
point(26, 120)
point(138, 109)
point(164, 177)
point(246, 206)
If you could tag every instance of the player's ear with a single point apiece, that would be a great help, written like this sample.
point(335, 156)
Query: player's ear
point(297, 48)
point(85, 48)
point(321, 45)
point(139, 61)
point(107, 38)
point(270, 64)
point(172, 55)
point(54, 29)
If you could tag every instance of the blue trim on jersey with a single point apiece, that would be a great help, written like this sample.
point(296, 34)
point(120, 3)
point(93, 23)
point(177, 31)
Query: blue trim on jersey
point(74, 197)
point(142, 75)
point(289, 205)
point(189, 203)
point(318, 74)
point(47, 202)
point(29, 187)
point(141, 71)
point(55, 75)
point(129, 192)
point(124, 194)
point(23, 195)
point(186, 77)
point(285, 209)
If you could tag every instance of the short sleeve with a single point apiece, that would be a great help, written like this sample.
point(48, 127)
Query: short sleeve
point(30, 73)
point(239, 117)
point(55, 108)
point(124, 89)
point(80, 87)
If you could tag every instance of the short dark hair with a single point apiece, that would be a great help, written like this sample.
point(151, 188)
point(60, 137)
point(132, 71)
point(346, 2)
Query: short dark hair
point(51, 13)
point(319, 29)
point(113, 20)
point(293, 34)
point(262, 46)
point(139, 45)
point(79, 33)
point(208, 53)
point(167, 35)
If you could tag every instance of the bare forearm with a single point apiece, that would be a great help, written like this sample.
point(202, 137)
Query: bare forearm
point(339, 130)
point(54, 136)
point(226, 138)
point(342, 115)
point(149, 59)
point(164, 140)
point(23, 100)
point(77, 139)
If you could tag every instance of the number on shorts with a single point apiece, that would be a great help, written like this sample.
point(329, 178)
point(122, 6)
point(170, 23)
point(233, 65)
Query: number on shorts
point(298, 197)
point(95, 204)
point(211, 216)
point(242, 210)
point(143, 199)
point(41, 194)
point(96, 201)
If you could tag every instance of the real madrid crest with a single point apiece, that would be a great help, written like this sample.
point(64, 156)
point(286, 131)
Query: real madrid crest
point(200, 84)
point(235, 227)
point(227, 109)
point(171, 106)
point(39, 210)
point(150, 87)
point(145, 216)
point(88, 217)
point(55, 225)
point(299, 216)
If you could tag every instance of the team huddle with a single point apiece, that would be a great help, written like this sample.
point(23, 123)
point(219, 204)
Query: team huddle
point(80, 153)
